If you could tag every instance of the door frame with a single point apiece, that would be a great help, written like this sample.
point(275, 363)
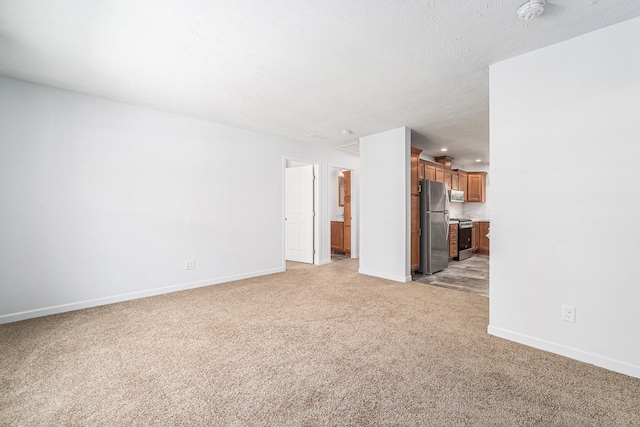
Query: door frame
point(316, 206)
point(355, 250)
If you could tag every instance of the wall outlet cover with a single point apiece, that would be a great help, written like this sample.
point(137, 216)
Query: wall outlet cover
point(189, 264)
point(568, 313)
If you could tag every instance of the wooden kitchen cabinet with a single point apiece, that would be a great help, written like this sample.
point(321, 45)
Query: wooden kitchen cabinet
point(415, 207)
point(415, 161)
point(453, 240)
point(452, 180)
point(462, 183)
point(476, 187)
point(475, 237)
point(483, 240)
point(448, 176)
point(415, 233)
point(431, 171)
point(455, 183)
point(447, 173)
point(474, 184)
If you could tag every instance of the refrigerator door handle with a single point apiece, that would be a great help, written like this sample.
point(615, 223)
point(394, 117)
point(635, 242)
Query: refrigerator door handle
point(446, 200)
point(446, 217)
point(446, 225)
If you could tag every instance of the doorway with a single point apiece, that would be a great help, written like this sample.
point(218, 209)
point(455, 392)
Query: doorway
point(341, 213)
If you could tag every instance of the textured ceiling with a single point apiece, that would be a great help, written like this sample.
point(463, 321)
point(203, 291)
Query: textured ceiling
point(295, 68)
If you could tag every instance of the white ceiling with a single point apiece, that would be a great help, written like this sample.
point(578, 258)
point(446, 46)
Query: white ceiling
point(295, 68)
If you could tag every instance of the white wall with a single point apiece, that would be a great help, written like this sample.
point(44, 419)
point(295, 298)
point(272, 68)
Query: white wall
point(103, 201)
point(565, 143)
point(455, 210)
point(385, 223)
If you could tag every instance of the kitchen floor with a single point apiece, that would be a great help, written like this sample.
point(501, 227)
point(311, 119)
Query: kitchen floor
point(470, 275)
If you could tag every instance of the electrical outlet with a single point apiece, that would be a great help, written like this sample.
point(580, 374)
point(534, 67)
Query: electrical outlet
point(568, 313)
point(189, 264)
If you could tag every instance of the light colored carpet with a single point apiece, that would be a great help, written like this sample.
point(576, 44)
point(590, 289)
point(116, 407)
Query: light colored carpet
point(312, 346)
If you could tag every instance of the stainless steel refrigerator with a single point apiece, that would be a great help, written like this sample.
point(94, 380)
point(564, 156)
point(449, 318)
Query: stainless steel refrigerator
point(434, 224)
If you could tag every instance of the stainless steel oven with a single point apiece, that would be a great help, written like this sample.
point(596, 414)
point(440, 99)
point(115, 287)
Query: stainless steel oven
point(465, 232)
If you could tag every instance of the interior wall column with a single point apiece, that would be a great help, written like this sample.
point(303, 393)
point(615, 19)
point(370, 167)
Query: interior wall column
point(385, 222)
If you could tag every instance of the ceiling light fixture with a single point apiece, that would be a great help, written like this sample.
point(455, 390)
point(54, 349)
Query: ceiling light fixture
point(443, 149)
point(478, 160)
point(531, 9)
point(347, 132)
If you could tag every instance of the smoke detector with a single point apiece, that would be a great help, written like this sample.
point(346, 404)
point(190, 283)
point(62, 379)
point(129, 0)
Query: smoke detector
point(532, 9)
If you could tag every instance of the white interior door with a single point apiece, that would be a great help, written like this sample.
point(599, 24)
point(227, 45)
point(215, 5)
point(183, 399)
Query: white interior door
point(299, 214)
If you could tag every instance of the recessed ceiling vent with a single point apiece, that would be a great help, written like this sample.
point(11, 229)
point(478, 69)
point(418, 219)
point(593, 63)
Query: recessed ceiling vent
point(532, 9)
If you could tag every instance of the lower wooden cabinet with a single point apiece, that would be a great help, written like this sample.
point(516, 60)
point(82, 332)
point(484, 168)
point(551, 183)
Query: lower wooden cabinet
point(479, 239)
point(417, 175)
point(337, 236)
point(453, 240)
point(415, 232)
point(475, 237)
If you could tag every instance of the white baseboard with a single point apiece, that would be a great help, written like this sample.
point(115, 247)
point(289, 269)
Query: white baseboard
point(63, 308)
point(402, 279)
point(570, 352)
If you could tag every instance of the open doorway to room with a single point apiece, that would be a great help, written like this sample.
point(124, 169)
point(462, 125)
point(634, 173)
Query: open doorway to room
point(340, 213)
point(300, 222)
point(467, 240)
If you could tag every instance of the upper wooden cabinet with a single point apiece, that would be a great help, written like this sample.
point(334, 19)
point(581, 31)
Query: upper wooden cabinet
point(447, 178)
point(476, 187)
point(452, 179)
point(431, 171)
point(415, 160)
point(474, 184)
point(462, 183)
